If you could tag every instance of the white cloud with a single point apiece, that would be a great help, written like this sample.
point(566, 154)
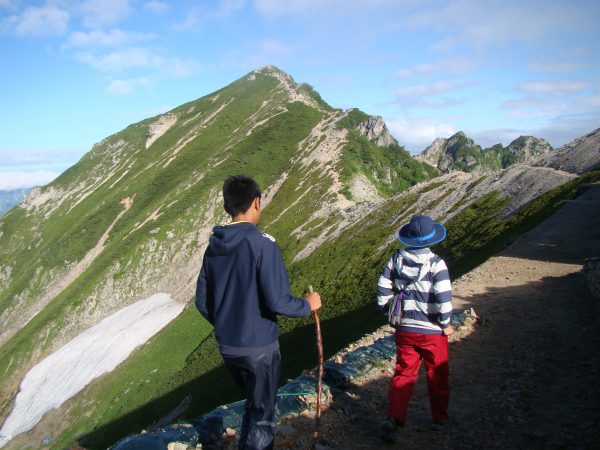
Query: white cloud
point(122, 87)
point(554, 87)
point(592, 100)
point(431, 95)
point(98, 13)
point(198, 15)
point(551, 99)
point(156, 7)
point(27, 160)
point(277, 8)
point(122, 60)
point(228, 7)
point(555, 67)
point(504, 136)
point(129, 59)
point(563, 129)
point(417, 133)
point(8, 4)
point(472, 22)
point(435, 88)
point(21, 179)
point(450, 66)
point(480, 24)
point(545, 99)
point(179, 68)
point(444, 44)
point(47, 20)
point(110, 38)
point(272, 46)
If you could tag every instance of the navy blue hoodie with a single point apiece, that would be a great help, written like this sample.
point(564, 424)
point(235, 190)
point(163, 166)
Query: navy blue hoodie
point(242, 287)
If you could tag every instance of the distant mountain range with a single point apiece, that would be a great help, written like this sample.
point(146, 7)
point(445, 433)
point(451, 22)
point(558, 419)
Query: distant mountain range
point(8, 199)
point(460, 152)
point(131, 220)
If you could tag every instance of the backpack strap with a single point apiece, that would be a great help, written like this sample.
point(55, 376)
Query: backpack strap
point(394, 274)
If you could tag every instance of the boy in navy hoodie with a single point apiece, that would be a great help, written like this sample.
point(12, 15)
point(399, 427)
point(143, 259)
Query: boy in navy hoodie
point(242, 287)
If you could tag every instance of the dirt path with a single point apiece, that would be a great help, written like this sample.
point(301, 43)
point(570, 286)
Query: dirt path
point(526, 376)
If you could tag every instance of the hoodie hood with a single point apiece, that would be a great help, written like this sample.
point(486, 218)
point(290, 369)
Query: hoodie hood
point(226, 238)
point(416, 263)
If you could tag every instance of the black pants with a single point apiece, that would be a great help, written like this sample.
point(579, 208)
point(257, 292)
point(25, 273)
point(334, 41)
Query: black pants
point(258, 376)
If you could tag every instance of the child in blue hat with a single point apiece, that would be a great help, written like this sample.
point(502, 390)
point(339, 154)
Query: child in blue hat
point(415, 289)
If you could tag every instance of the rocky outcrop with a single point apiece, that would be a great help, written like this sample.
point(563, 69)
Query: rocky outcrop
point(578, 156)
point(460, 152)
point(432, 154)
point(526, 147)
point(377, 131)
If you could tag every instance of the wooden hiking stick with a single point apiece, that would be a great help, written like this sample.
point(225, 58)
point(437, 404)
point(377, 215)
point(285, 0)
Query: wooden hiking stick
point(320, 373)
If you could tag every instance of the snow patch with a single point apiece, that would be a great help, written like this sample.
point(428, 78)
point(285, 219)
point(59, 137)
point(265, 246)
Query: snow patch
point(93, 353)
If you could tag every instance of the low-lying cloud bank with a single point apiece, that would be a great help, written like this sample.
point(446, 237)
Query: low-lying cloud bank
point(20, 179)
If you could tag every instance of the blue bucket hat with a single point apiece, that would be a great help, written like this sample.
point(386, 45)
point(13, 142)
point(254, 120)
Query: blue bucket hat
point(421, 231)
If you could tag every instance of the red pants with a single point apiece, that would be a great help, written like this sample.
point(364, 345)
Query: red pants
point(410, 349)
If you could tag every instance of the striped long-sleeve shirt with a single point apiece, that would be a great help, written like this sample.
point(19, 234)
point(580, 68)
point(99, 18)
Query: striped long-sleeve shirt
point(424, 278)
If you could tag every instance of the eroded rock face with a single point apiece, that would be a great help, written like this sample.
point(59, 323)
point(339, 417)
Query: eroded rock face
point(578, 156)
point(526, 147)
point(432, 154)
point(376, 130)
point(460, 152)
point(591, 273)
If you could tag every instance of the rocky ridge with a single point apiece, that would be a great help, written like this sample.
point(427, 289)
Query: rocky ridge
point(579, 156)
point(460, 152)
point(376, 130)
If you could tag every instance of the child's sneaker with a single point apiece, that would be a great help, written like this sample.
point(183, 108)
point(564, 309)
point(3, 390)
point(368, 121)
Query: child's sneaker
point(388, 430)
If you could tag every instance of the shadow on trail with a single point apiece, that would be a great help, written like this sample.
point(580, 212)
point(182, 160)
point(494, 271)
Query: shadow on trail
point(570, 236)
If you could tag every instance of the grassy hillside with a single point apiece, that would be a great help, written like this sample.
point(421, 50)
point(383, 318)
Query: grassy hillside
point(131, 218)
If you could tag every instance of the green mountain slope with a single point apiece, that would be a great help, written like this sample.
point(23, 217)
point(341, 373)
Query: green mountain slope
point(133, 216)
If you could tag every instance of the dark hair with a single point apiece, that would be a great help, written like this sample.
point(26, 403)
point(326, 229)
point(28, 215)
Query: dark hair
point(239, 191)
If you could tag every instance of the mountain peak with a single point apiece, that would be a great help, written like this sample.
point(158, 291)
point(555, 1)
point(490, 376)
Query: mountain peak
point(269, 68)
point(375, 129)
point(301, 92)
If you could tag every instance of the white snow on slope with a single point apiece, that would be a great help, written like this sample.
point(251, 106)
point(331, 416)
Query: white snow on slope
point(93, 353)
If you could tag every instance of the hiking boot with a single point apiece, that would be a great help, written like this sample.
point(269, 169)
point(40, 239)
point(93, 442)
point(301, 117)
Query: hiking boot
point(388, 430)
point(439, 426)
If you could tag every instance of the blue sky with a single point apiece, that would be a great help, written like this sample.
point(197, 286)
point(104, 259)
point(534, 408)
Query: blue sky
point(74, 72)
